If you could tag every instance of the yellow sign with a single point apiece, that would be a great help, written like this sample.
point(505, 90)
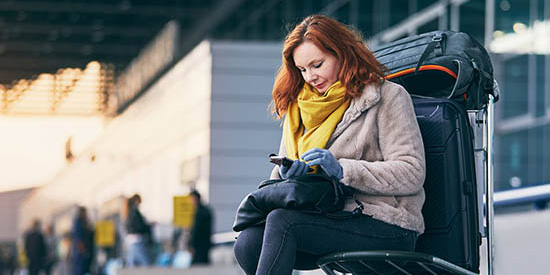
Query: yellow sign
point(105, 233)
point(184, 211)
point(22, 256)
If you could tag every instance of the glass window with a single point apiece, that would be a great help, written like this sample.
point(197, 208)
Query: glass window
point(537, 156)
point(510, 12)
point(545, 158)
point(343, 14)
point(512, 161)
point(472, 19)
point(430, 26)
point(540, 104)
point(422, 4)
point(514, 87)
point(365, 18)
point(540, 10)
point(399, 11)
point(522, 159)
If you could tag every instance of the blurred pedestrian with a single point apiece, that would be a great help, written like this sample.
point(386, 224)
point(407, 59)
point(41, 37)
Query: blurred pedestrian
point(82, 247)
point(199, 243)
point(51, 249)
point(2, 260)
point(138, 235)
point(35, 248)
point(9, 259)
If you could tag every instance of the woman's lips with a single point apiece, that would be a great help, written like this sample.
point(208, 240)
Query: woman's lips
point(319, 86)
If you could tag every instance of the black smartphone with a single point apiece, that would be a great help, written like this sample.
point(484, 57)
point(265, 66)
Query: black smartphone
point(283, 161)
point(280, 160)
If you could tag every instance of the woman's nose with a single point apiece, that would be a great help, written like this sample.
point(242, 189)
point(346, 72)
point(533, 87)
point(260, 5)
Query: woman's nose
point(309, 76)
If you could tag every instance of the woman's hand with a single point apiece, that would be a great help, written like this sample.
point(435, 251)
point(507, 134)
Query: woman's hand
point(297, 168)
point(326, 160)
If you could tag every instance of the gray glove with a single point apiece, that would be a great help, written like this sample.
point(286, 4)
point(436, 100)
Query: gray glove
point(297, 168)
point(326, 160)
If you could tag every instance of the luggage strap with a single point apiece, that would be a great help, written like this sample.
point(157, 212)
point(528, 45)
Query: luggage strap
point(436, 40)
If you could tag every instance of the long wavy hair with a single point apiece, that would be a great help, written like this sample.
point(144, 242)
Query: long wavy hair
point(358, 67)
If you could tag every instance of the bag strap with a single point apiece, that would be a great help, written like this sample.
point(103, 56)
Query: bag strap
point(342, 189)
point(342, 215)
point(347, 191)
point(493, 90)
point(359, 208)
point(436, 39)
point(265, 183)
point(479, 82)
point(496, 90)
point(459, 80)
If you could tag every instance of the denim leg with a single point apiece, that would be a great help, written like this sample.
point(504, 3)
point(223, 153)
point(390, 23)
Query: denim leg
point(289, 231)
point(248, 247)
point(129, 257)
point(140, 254)
point(137, 254)
point(78, 265)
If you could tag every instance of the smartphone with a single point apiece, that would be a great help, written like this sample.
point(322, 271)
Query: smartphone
point(280, 160)
point(283, 161)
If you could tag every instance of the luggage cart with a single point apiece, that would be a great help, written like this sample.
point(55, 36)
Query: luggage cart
point(451, 244)
point(458, 211)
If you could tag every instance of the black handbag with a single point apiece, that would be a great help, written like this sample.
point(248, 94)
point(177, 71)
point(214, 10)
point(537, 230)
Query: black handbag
point(310, 193)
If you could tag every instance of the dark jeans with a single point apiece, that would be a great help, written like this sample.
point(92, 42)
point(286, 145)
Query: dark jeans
point(81, 265)
point(34, 267)
point(294, 240)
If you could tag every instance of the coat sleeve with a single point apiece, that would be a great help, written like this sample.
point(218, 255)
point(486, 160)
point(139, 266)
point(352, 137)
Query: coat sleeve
point(402, 170)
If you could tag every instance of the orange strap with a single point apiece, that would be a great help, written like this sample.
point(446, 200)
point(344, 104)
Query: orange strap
point(422, 68)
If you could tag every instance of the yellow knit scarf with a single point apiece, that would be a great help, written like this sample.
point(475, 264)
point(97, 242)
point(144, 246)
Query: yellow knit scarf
point(317, 114)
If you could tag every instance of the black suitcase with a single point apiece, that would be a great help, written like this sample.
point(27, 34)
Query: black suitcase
point(450, 210)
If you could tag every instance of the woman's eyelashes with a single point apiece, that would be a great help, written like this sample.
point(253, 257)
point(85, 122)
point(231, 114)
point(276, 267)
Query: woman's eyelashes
point(316, 66)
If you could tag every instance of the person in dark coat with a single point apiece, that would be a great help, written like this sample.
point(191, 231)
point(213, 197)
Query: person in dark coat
point(35, 248)
point(199, 239)
point(138, 236)
point(50, 258)
point(82, 243)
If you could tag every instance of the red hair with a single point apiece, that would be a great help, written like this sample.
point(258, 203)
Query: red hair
point(358, 67)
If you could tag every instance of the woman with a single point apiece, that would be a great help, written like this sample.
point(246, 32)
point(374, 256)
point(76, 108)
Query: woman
point(342, 117)
point(138, 234)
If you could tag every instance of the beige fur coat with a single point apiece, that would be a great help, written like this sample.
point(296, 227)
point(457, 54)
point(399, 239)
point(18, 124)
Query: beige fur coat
point(379, 146)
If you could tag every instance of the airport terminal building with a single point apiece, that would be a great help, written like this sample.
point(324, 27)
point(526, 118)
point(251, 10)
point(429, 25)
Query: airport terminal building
point(191, 111)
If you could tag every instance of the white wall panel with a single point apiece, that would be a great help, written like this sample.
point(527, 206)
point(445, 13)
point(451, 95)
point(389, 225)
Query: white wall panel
point(213, 105)
point(9, 201)
point(142, 149)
